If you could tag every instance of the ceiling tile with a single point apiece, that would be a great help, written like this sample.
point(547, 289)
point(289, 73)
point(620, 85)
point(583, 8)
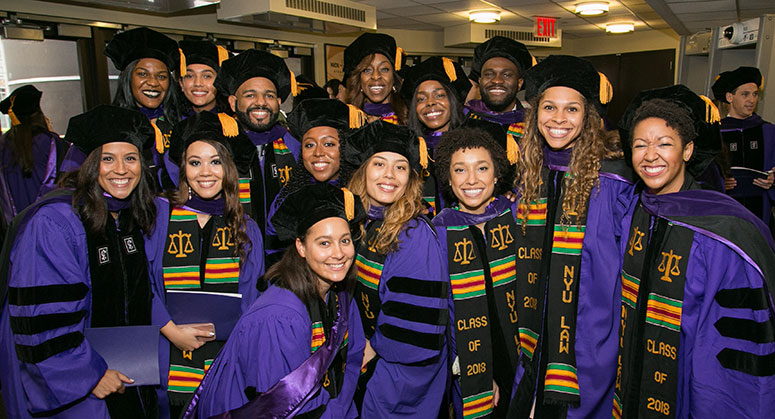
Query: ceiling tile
point(411, 10)
point(705, 6)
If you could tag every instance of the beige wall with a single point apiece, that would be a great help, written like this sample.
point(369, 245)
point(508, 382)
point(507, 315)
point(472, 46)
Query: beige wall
point(414, 42)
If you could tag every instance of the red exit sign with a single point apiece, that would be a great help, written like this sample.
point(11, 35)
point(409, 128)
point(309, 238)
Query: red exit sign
point(545, 27)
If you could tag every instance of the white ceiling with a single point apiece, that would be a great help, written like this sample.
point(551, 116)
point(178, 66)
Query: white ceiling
point(437, 14)
point(683, 16)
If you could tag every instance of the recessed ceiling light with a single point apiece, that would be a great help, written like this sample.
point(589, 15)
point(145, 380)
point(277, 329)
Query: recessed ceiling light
point(484, 16)
point(592, 8)
point(620, 27)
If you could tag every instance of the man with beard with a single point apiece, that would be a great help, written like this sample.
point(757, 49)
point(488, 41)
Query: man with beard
point(749, 141)
point(498, 67)
point(257, 82)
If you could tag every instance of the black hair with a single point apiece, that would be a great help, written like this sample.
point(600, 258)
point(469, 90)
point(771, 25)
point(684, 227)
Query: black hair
point(456, 116)
point(676, 115)
point(19, 141)
point(465, 139)
point(125, 99)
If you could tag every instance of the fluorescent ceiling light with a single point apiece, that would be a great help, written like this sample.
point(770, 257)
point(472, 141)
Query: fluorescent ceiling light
point(484, 16)
point(592, 8)
point(619, 27)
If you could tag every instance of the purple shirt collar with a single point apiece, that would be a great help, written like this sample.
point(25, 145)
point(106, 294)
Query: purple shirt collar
point(509, 117)
point(455, 217)
point(207, 206)
point(152, 113)
point(376, 212)
point(266, 137)
point(115, 204)
point(557, 160)
point(730, 123)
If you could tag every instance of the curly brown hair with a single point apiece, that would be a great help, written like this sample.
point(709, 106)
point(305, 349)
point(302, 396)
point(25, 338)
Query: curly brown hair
point(591, 146)
point(468, 139)
point(397, 215)
point(353, 94)
point(233, 212)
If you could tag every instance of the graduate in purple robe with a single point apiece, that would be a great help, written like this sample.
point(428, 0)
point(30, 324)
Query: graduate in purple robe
point(78, 261)
point(401, 291)
point(29, 152)
point(499, 68)
point(148, 61)
point(202, 243)
point(257, 82)
point(322, 126)
point(749, 141)
point(573, 191)
point(435, 91)
point(476, 234)
point(298, 350)
point(697, 333)
point(371, 73)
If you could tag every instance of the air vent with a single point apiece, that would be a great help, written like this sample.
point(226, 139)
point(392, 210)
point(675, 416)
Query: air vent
point(472, 34)
point(302, 15)
point(328, 9)
point(520, 36)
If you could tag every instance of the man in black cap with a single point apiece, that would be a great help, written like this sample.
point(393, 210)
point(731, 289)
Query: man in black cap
point(257, 82)
point(498, 67)
point(749, 140)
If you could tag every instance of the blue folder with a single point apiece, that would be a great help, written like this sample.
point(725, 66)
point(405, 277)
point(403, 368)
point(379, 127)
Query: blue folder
point(221, 309)
point(131, 350)
point(745, 177)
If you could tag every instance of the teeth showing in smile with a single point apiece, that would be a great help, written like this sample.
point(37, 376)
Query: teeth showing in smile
point(119, 182)
point(472, 192)
point(433, 114)
point(259, 114)
point(336, 265)
point(198, 93)
point(320, 165)
point(377, 89)
point(387, 188)
point(206, 184)
point(497, 91)
point(559, 132)
point(152, 93)
point(653, 170)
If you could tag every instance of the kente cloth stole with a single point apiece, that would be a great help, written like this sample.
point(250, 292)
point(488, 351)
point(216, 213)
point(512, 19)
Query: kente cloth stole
point(391, 117)
point(559, 248)
point(370, 265)
point(261, 189)
point(199, 259)
point(653, 278)
point(517, 130)
point(474, 273)
point(323, 317)
point(430, 190)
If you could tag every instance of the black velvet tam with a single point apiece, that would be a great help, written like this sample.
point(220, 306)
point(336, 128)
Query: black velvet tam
point(728, 81)
point(220, 128)
point(371, 43)
point(23, 101)
point(313, 203)
point(500, 46)
point(204, 52)
point(313, 113)
point(568, 71)
point(254, 63)
point(138, 43)
point(380, 136)
point(443, 70)
point(109, 124)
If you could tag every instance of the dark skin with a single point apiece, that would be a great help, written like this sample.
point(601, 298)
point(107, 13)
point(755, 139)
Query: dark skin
point(499, 84)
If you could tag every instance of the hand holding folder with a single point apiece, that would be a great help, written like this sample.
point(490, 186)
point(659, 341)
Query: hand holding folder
point(199, 308)
point(745, 177)
point(131, 350)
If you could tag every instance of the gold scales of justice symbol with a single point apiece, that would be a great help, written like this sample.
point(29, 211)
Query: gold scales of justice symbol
point(181, 248)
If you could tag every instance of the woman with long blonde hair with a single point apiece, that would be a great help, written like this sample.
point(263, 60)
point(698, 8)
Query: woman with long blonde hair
point(401, 291)
point(572, 185)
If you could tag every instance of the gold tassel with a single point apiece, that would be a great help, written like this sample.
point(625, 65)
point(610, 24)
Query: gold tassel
point(159, 138)
point(357, 117)
point(228, 125)
point(423, 153)
point(182, 63)
point(533, 59)
point(449, 68)
point(606, 90)
point(711, 111)
point(14, 119)
point(602, 124)
point(512, 149)
point(223, 55)
point(399, 54)
point(761, 84)
point(294, 86)
point(349, 204)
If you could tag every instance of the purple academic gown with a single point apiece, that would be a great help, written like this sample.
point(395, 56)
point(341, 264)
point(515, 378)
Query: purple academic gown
point(24, 190)
point(597, 326)
point(51, 251)
point(250, 270)
point(271, 340)
point(721, 258)
point(451, 217)
point(768, 140)
point(397, 388)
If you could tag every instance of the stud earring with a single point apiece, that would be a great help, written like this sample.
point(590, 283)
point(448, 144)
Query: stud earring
point(189, 193)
